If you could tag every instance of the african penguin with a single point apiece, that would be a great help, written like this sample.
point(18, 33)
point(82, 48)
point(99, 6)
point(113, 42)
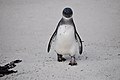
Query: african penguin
point(67, 40)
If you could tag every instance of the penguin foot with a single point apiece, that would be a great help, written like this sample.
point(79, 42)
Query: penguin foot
point(61, 58)
point(72, 63)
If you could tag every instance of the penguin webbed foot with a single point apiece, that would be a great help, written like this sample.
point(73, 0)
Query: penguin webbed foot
point(61, 58)
point(73, 62)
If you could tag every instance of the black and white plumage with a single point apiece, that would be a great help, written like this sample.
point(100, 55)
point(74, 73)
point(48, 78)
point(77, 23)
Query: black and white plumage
point(67, 39)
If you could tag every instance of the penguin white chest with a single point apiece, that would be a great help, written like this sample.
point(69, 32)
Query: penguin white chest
point(65, 40)
point(65, 32)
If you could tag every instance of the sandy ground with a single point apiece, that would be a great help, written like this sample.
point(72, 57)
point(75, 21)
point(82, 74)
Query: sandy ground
point(26, 26)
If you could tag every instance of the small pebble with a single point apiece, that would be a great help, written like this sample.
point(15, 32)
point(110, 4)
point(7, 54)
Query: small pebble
point(86, 57)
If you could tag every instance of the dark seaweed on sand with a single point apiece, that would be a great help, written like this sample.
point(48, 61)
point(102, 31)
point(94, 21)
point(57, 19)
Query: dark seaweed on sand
point(5, 70)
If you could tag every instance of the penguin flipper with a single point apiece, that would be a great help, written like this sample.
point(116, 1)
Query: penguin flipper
point(52, 37)
point(78, 39)
point(80, 43)
point(50, 42)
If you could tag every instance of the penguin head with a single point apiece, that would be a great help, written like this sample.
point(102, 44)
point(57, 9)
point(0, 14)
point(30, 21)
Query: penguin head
point(67, 12)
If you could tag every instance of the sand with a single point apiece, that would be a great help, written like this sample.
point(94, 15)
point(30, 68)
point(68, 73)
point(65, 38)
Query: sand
point(26, 26)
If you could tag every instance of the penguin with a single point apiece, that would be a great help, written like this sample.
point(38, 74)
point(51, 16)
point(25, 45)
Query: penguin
point(67, 39)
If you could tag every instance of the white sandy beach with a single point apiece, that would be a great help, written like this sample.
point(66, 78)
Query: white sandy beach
point(27, 25)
